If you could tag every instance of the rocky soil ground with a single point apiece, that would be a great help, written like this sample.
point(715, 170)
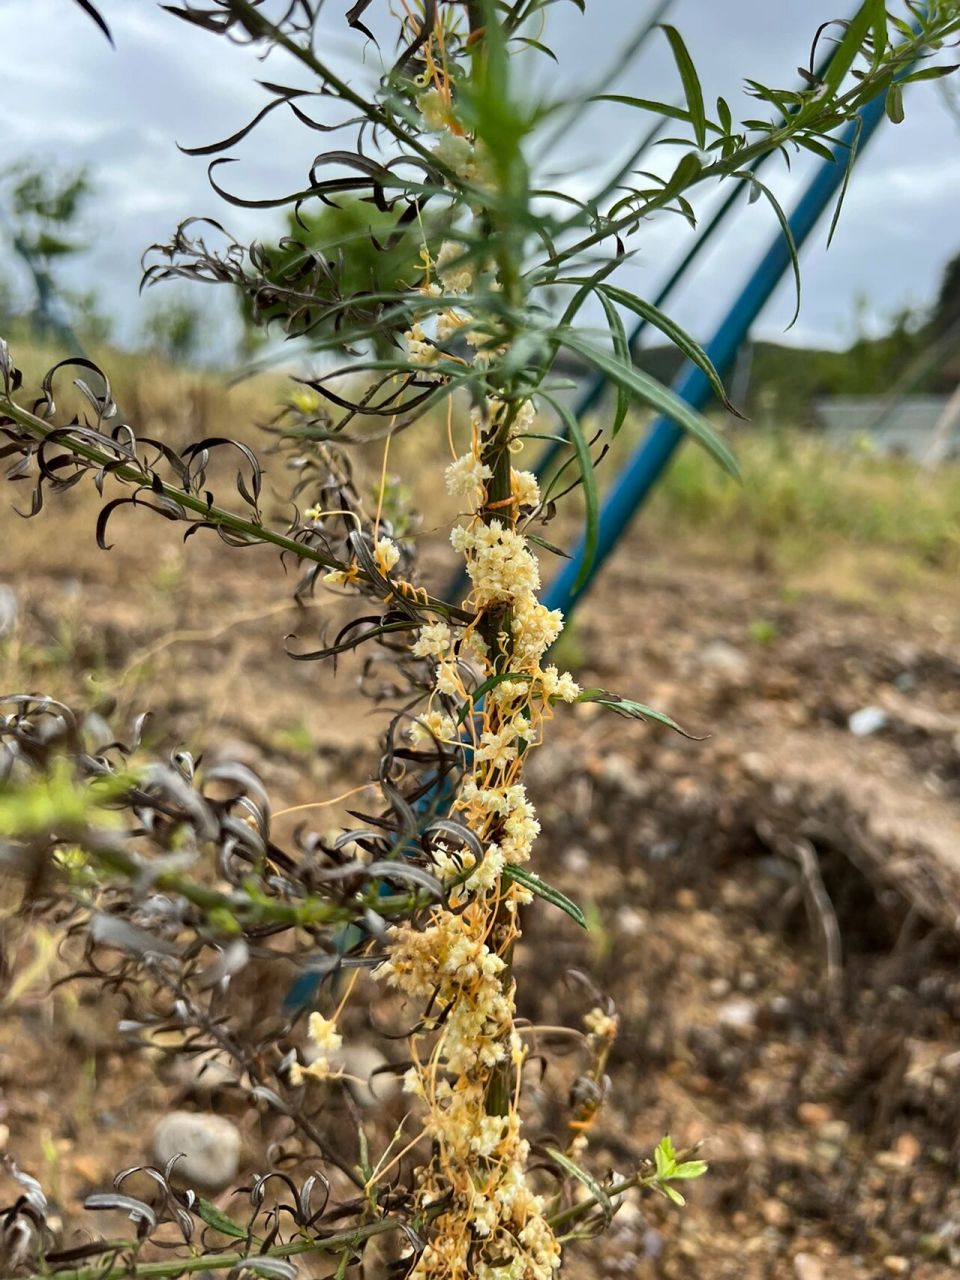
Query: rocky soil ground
point(774, 909)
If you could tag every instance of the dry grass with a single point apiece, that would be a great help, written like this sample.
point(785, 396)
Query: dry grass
point(802, 501)
point(860, 527)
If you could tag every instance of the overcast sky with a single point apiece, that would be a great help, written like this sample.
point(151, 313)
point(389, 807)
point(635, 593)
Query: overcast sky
point(68, 98)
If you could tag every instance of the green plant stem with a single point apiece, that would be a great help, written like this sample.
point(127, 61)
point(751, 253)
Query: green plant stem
point(307, 913)
point(259, 26)
point(171, 1267)
point(211, 514)
point(565, 1216)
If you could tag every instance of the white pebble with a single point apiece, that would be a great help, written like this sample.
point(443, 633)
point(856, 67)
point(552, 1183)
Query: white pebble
point(210, 1146)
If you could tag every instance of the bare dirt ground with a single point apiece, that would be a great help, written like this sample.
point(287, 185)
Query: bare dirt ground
point(774, 909)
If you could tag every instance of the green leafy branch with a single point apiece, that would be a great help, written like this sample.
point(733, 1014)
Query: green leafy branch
point(807, 119)
point(667, 1167)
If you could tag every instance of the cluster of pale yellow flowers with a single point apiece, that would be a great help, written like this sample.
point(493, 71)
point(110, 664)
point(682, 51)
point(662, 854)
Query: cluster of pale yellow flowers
point(488, 1224)
point(492, 1225)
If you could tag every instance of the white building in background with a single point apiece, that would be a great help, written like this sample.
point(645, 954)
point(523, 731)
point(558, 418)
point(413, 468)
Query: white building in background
point(924, 427)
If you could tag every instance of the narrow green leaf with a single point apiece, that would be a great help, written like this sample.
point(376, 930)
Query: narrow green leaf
point(536, 44)
point(846, 180)
point(604, 1203)
point(690, 1169)
point(645, 104)
point(691, 84)
point(818, 148)
point(679, 337)
point(673, 1194)
point(893, 104)
point(657, 396)
point(784, 99)
point(212, 1216)
point(685, 174)
point(777, 208)
point(633, 710)
point(857, 30)
point(591, 501)
point(621, 348)
point(547, 546)
point(930, 73)
point(545, 891)
point(664, 1156)
point(648, 104)
point(724, 115)
point(878, 32)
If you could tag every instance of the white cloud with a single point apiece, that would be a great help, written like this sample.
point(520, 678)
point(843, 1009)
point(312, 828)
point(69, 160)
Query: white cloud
point(65, 95)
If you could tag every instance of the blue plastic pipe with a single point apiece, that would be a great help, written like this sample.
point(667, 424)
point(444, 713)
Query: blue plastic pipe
point(650, 459)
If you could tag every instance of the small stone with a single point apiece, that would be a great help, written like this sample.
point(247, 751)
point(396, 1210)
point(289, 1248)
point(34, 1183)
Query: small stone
point(8, 610)
point(4, 1136)
point(748, 982)
point(719, 988)
point(210, 1146)
point(653, 1243)
point(891, 1161)
point(686, 900)
point(628, 1222)
point(908, 1147)
point(577, 860)
point(866, 721)
point(631, 922)
point(89, 1168)
point(778, 1012)
point(814, 1114)
point(621, 774)
point(755, 764)
point(725, 660)
point(361, 1061)
point(775, 1213)
point(807, 1267)
point(896, 1265)
point(737, 1015)
point(753, 1144)
point(828, 1152)
point(836, 1132)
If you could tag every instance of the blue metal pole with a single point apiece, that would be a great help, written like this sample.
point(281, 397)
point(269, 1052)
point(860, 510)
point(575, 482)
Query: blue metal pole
point(649, 460)
point(596, 388)
point(593, 393)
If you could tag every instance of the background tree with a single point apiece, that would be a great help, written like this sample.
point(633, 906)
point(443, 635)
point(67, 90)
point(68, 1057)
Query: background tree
point(42, 210)
point(175, 329)
point(334, 251)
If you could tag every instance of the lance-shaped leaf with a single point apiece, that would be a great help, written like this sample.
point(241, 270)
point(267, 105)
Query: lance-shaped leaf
point(657, 396)
point(678, 336)
point(691, 84)
point(213, 1217)
point(519, 875)
point(604, 1203)
point(633, 710)
point(591, 501)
